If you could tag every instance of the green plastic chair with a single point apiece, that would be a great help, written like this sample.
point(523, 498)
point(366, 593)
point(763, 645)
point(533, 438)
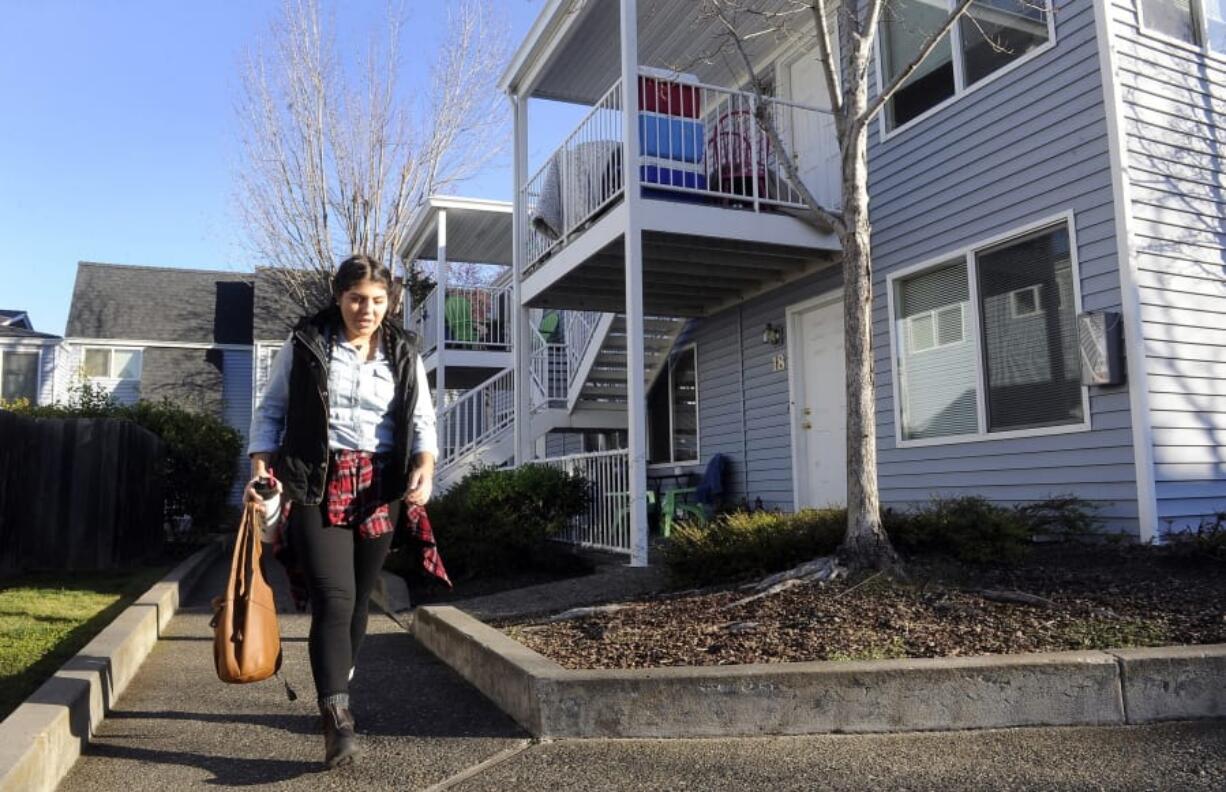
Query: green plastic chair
point(673, 509)
point(458, 312)
point(548, 325)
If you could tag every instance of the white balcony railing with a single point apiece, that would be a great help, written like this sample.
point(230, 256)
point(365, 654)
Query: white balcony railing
point(697, 143)
point(476, 417)
point(606, 522)
point(474, 317)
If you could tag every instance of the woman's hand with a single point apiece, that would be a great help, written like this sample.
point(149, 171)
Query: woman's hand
point(421, 480)
point(259, 470)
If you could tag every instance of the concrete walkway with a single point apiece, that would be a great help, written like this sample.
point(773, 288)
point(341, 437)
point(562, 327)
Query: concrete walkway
point(178, 728)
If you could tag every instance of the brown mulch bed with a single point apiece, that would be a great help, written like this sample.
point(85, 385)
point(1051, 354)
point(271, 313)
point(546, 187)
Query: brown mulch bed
point(1102, 597)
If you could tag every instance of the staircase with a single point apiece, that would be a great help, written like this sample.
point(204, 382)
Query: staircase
point(577, 384)
point(605, 382)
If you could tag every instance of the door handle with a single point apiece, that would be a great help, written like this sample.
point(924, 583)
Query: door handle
point(806, 425)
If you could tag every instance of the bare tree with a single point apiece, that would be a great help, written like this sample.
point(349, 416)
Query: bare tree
point(336, 156)
point(844, 34)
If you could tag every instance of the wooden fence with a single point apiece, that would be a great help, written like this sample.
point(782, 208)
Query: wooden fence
point(80, 493)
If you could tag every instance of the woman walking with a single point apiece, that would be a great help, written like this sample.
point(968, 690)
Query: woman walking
point(348, 414)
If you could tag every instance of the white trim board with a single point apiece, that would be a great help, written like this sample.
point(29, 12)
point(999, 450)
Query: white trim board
point(1126, 264)
point(131, 342)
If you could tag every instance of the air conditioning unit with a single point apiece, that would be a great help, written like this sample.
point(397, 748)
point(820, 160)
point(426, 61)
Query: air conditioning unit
point(1100, 335)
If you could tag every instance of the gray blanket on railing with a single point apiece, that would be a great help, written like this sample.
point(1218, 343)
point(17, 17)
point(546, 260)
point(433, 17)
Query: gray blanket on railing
point(593, 175)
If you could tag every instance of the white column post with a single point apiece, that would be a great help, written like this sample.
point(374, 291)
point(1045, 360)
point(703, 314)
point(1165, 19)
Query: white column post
point(440, 292)
point(636, 388)
point(521, 348)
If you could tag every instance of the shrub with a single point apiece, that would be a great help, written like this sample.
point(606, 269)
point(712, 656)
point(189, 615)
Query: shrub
point(1206, 543)
point(974, 531)
point(200, 449)
point(746, 544)
point(969, 528)
point(498, 521)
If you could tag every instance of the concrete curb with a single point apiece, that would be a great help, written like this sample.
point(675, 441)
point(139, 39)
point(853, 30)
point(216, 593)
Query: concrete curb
point(41, 740)
point(1056, 689)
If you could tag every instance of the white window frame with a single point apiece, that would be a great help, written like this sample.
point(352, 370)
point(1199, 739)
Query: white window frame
point(936, 329)
point(140, 362)
point(1014, 313)
point(961, 89)
point(1201, 22)
point(968, 254)
point(667, 374)
point(258, 348)
point(38, 377)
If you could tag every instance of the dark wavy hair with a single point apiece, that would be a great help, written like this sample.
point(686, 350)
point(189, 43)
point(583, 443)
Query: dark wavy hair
point(357, 268)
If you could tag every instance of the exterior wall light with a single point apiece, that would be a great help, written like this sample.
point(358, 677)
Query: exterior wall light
point(772, 334)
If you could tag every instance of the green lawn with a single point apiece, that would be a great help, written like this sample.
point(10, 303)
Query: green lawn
point(46, 619)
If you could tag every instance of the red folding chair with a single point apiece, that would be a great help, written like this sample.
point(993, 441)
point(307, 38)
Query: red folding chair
point(730, 155)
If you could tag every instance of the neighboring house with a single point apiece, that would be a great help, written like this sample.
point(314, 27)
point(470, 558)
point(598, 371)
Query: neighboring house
point(1075, 170)
point(27, 360)
point(159, 332)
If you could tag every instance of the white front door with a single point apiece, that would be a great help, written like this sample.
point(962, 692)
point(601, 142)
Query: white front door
point(814, 142)
point(819, 406)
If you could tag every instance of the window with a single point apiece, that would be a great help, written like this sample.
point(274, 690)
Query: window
point(19, 376)
point(939, 380)
point(902, 33)
point(112, 363)
point(990, 36)
point(1201, 23)
point(1024, 303)
point(1174, 18)
point(672, 411)
point(1032, 368)
point(1215, 25)
point(1024, 350)
point(263, 369)
point(933, 329)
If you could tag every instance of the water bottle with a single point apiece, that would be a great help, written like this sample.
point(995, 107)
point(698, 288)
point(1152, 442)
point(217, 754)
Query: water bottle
point(266, 488)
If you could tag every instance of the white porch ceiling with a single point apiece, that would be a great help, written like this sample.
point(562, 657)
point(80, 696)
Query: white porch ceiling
point(478, 231)
point(580, 58)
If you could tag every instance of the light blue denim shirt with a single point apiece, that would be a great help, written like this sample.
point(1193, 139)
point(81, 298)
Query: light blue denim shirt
point(360, 394)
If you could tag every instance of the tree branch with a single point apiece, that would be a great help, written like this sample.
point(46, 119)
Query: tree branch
point(926, 49)
point(821, 217)
point(826, 56)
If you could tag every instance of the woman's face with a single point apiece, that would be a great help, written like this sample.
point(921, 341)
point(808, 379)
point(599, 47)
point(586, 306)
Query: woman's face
point(363, 306)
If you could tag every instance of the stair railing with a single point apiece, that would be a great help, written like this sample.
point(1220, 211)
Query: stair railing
point(476, 417)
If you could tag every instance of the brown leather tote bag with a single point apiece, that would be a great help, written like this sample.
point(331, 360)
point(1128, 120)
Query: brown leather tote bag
point(246, 640)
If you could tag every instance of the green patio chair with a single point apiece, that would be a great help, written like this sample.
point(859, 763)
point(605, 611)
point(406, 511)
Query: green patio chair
point(549, 325)
point(458, 312)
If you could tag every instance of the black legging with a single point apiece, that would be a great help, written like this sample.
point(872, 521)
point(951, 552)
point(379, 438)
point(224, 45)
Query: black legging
point(341, 569)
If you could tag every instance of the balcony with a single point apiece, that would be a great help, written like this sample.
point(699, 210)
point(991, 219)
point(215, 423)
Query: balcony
point(466, 323)
point(721, 203)
point(474, 319)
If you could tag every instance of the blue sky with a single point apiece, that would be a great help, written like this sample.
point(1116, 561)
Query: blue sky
point(117, 133)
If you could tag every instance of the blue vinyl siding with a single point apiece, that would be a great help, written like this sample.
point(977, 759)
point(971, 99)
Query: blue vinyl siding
point(236, 409)
point(1031, 145)
point(1174, 109)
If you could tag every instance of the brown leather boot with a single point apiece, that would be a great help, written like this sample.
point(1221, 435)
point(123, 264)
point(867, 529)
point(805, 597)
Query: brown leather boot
point(340, 738)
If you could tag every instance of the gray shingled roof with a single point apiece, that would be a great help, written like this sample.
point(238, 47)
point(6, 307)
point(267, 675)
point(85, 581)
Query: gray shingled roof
point(161, 304)
point(7, 315)
point(20, 332)
point(275, 310)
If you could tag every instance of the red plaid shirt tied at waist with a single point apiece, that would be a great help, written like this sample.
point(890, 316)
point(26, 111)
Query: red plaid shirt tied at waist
point(352, 498)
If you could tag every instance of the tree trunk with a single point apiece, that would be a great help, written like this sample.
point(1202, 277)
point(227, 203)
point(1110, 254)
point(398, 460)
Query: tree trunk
point(865, 544)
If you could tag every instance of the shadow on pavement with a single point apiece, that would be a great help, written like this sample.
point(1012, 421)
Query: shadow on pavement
point(228, 771)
